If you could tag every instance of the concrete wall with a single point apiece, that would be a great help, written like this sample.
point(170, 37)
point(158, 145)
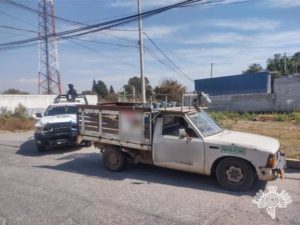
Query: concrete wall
point(34, 103)
point(287, 91)
point(285, 97)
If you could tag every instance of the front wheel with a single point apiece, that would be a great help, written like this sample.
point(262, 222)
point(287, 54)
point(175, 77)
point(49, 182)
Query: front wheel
point(235, 174)
point(40, 148)
point(114, 159)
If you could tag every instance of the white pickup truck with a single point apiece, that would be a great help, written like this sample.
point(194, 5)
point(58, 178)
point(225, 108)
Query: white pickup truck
point(179, 138)
point(58, 124)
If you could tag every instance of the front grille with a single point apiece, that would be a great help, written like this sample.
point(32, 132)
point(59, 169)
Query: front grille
point(59, 127)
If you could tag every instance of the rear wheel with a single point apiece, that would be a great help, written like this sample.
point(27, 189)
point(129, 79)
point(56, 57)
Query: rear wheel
point(114, 159)
point(235, 174)
point(88, 144)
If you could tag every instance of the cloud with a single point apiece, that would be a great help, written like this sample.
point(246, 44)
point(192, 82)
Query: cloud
point(160, 3)
point(236, 52)
point(217, 38)
point(28, 80)
point(251, 24)
point(131, 33)
point(285, 3)
point(257, 40)
point(145, 3)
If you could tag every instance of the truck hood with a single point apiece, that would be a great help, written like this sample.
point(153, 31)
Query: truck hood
point(246, 140)
point(57, 119)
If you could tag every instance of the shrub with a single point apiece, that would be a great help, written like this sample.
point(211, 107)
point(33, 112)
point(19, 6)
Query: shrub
point(281, 117)
point(21, 111)
point(5, 113)
point(297, 117)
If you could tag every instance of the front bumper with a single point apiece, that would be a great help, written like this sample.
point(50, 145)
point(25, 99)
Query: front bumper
point(55, 139)
point(277, 171)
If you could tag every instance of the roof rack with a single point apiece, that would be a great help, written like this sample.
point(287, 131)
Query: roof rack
point(71, 98)
point(190, 100)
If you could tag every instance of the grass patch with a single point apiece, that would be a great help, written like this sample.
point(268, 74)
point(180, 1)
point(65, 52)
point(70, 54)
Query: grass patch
point(16, 120)
point(280, 117)
point(283, 126)
point(16, 124)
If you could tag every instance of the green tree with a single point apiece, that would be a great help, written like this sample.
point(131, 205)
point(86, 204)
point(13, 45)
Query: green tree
point(87, 92)
point(100, 88)
point(253, 68)
point(13, 91)
point(172, 87)
point(94, 87)
point(276, 65)
point(111, 90)
point(134, 84)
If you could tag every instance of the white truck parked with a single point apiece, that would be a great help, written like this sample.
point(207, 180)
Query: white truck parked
point(58, 124)
point(181, 138)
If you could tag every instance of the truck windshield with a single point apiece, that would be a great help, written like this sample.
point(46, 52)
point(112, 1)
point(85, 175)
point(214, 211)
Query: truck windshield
point(58, 110)
point(205, 124)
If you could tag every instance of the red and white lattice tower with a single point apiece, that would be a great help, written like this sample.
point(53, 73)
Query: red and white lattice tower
point(49, 75)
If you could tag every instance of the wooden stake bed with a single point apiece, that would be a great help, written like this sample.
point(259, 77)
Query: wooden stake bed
point(123, 124)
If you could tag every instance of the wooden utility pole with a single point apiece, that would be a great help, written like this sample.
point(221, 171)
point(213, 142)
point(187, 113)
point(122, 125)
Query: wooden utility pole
point(141, 44)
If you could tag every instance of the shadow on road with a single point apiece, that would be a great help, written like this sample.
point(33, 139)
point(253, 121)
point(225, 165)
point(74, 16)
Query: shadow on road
point(91, 165)
point(28, 148)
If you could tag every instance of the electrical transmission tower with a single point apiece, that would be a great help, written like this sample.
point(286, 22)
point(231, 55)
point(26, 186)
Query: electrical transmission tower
point(49, 75)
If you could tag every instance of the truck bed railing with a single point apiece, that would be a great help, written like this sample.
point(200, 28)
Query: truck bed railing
point(122, 123)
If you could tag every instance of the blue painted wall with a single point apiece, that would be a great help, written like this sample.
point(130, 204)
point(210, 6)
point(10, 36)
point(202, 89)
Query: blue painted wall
point(236, 84)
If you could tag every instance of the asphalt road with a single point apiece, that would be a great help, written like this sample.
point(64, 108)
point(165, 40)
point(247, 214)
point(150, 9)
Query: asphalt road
point(70, 186)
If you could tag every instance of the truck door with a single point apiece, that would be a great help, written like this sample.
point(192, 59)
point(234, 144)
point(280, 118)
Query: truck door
point(171, 151)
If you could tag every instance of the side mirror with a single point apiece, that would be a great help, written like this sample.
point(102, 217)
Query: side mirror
point(38, 115)
point(182, 133)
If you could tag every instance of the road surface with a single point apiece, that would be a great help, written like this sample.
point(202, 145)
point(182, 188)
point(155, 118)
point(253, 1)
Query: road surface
point(70, 186)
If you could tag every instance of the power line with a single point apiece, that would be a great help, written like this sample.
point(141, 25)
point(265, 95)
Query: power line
point(89, 29)
point(91, 41)
point(16, 18)
point(95, 51)
point(104, 25)
point(16, 28)
point(25, 7)
point(168, 59)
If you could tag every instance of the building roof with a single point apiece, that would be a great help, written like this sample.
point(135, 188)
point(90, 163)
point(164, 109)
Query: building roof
point(235, 84)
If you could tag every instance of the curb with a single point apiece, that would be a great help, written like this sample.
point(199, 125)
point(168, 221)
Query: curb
point(293, 163)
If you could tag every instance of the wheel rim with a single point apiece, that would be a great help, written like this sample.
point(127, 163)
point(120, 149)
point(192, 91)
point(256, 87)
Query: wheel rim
point(113, 158)
point(235, 174)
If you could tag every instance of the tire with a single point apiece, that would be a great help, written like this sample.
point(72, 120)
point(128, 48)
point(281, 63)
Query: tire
point(88, 144)
point(235, 174)
point(114, 159)
point(41, 148)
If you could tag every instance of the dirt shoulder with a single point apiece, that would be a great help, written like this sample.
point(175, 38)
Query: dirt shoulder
point(287, 132)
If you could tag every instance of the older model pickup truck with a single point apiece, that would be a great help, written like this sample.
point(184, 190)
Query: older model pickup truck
point(181, 138)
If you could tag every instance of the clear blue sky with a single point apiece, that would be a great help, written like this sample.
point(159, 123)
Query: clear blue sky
point(232, 36)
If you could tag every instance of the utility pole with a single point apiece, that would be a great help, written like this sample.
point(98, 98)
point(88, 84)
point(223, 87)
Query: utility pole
point(284, 63)
point(48, 75)
point(211, 70)
point(141, 44)
point(124, 94)
point(133, 93)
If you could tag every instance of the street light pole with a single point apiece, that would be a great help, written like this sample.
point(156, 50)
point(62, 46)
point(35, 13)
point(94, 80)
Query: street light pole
point(141, 44)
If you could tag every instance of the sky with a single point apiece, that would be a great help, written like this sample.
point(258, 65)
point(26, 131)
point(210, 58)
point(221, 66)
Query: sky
point(229, 35)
